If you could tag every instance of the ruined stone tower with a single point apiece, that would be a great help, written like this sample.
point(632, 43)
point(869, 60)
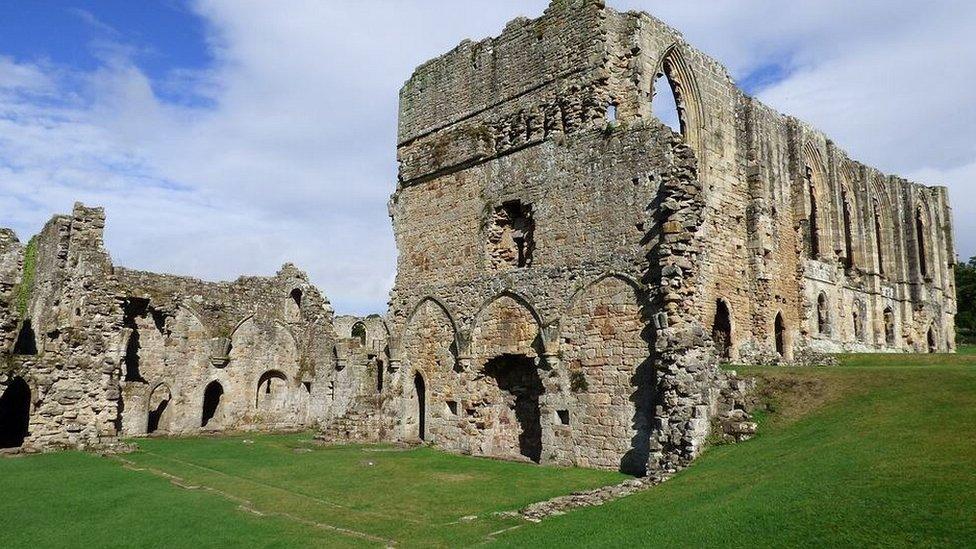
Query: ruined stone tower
point(572, 271)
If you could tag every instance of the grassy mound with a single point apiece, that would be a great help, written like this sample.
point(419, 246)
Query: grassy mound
point(880, 451)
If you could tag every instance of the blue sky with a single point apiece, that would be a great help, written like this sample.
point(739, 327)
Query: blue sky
point(226, 137)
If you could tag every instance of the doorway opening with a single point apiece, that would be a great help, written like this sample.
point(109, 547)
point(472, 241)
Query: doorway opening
point(14, 414)
point(211, 401)
point(421, 389)
point(518, 378)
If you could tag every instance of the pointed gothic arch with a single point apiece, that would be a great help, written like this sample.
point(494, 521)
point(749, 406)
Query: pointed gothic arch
point(921, 240)
point(816, 213)
point(823, 314)
point(675, 70)
point(779, 334)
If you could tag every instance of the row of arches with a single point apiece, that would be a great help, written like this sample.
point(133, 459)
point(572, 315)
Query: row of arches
point(858, 320)
point(855, 220)
point(270, 394)
point(722, 332)
point(600, 340)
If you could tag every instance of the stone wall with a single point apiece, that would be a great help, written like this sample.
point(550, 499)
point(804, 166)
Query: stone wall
point(571, 272)
point(267, 342)
point(116, 352)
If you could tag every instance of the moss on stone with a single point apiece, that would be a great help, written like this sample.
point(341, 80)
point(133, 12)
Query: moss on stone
point(26, 286)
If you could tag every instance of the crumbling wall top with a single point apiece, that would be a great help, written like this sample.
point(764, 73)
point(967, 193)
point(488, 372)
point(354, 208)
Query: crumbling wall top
point(568, 38)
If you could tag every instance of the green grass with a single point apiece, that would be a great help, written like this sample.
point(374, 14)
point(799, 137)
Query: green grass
point(967, 350)
point(880, 451)
point(306, 494)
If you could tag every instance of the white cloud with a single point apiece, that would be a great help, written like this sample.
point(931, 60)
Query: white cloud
point(290, 154)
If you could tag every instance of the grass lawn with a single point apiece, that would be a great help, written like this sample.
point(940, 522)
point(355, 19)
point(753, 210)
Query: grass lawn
point(878, 451)
point(269, 491)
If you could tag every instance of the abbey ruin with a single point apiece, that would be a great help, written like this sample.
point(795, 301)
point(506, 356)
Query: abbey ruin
point(571, 274)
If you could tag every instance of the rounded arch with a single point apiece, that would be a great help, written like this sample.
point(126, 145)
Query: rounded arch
point(271, 385)
point(674, 67)
point(360, 332)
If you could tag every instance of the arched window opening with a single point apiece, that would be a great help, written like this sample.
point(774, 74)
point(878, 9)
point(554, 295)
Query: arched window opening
point(271, 389)
point(14, 413)
point(933, 345)
point(920, 238)
point(611, 114)
point(296, 296)
point(271, 383)
point(889, 326)
point(848, 231)
point(665, 104)
point(814, 223)
point(211, 402)
point(26, 343)
point(359, 332)
point(858, 323)
point(131, 358)
point(158, 403)
point(878, 238)
point(420, 388)
point(722, 330)
point(823, 315)
point(779, 327)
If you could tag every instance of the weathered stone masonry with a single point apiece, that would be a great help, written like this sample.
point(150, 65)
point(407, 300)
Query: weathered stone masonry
point(93, 352)
point(571, 273)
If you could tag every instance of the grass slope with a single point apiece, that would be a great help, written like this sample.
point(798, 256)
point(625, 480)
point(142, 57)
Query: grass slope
point(880, 451)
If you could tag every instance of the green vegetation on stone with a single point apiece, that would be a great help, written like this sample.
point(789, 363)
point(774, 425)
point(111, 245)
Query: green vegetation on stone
point(26, 286)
